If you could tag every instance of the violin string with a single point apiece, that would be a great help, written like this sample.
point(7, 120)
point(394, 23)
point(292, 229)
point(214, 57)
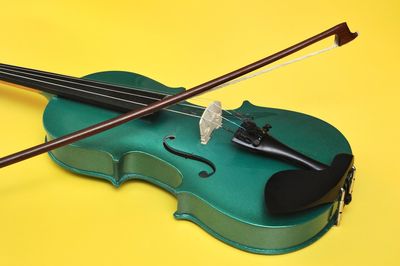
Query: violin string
point(96, 87)
point(67, 87)
point(226, 119)
point(207, 110)
point(94, 93)
point(107, 96)
point(230, 113)
point(79, 81)
point(215, 123)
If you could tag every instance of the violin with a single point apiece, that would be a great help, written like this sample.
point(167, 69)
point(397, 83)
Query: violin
point(260, 179)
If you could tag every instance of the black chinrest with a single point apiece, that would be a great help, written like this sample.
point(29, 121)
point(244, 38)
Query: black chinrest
point(296, 190)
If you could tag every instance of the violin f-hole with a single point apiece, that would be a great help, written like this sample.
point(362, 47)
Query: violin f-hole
point(191, 156)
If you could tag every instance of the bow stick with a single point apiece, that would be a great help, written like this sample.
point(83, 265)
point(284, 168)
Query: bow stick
point(342, 34)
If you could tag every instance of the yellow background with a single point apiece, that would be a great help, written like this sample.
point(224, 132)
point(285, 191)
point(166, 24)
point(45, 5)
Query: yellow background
point(49, 216)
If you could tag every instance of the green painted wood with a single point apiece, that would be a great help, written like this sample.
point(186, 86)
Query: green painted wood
point(229, 204)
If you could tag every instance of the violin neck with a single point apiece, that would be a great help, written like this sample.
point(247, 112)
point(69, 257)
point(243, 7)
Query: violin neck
point(101, 94)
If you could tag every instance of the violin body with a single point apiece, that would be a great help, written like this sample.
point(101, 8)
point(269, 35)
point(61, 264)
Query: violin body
point(260, 190)
point(229, 204)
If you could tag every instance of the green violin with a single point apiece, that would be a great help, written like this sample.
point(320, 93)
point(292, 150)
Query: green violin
point(263, 180)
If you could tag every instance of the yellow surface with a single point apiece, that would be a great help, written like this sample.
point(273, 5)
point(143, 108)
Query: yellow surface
point(49, 216)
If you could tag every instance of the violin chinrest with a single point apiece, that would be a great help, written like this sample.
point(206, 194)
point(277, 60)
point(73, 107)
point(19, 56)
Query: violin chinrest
point(298, 190)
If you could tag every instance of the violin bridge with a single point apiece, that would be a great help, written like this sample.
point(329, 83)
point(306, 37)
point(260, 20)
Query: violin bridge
point(210, 120)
